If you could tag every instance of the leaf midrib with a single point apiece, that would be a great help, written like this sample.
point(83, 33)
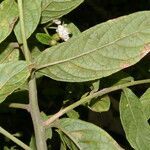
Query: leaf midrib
point(86, 53)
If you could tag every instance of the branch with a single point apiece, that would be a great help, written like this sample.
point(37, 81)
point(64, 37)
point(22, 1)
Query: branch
point(14, 139)
point(34, 108)
point(88, 98)
point(16, 105)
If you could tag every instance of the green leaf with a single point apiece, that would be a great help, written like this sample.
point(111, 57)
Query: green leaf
point(32, 14)
point(33, 143)
point(8, 52)
point(12, 76)
point(95, 86)
point(8, 17)
point(85, 135)
point(100, 104)
point(118, 78)
point(134, 121)
point(73, 114)
point(52, 9)
point(43, 38)
point(145, 100)
point(99, 51)
point(48, 132)
point(73, 29)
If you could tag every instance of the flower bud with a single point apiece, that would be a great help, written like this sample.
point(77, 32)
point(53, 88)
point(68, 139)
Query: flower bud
point(52, 42)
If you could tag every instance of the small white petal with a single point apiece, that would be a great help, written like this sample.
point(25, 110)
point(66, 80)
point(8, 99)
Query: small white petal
point(56, 21)
point(63, 32)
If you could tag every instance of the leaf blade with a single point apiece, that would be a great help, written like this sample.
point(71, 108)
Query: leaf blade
point(32, 14)
point(8, 17)
point(145, 100)
point(134, 121)
point(13, 75)
point(99, 51)
point(55, 9)
point(100, 104)
point(86, 135)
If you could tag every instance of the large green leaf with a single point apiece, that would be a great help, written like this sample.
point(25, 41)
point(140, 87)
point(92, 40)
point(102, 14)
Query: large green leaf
point(145, 100)
point(52, 9)
point(8, 17)
point(8, 52)
point(99, 51)
point(32, 14)
point(134, 121)
point(12, 76)
point(84, 135)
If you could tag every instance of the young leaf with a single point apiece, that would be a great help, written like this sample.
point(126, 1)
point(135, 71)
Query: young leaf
point(43, 38)
point(32, 14)
point(145, 100)
point(99, 51)
point(134, 121)
point(73, 114)
point(55, 9)
point(84, 135)
point(12, 76)
point(48, 131)
point(100, 104)
point(8, 17)
point(32, 143)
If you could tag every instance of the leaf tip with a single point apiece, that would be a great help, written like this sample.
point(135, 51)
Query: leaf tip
point(145, 50)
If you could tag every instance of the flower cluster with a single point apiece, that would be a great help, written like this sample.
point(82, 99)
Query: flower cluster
point(62, 30)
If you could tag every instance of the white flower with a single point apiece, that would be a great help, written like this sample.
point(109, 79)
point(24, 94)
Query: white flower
point(57, 21)
point(63, 32)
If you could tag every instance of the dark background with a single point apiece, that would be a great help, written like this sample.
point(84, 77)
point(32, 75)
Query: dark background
point(52, 93)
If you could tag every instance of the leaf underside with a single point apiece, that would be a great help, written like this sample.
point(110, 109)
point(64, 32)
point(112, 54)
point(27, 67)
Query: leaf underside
point(52, 9)
point(12, 76)
point(31, 14)
point(134, 121)
point(99, 51)
point(83, 135)
point(8, 17)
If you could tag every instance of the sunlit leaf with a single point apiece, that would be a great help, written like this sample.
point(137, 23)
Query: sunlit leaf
point(99, 51)
point(32, 14)
point(12, 76)
point(134, 122)
point(52, 9)
point(84, 135)
point(8, 17)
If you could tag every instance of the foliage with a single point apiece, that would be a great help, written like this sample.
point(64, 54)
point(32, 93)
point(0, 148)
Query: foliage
point(67, 80)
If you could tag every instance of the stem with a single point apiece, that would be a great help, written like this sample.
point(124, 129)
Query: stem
point(88, 98)
point(16, 105)
point(14, 139)
point(19, 106)
point(35, 114)
point(45, 29)
point(34, 108)
point(25, 46)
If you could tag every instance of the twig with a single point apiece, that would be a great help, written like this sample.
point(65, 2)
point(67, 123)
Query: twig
point(14, 139)
point(88, 98)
